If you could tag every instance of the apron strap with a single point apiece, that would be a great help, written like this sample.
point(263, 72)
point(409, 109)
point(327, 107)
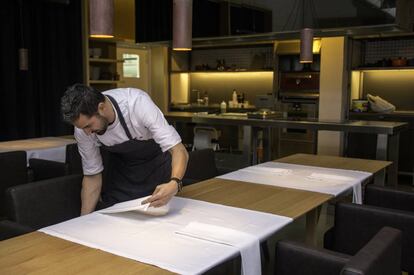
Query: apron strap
point(121, 117)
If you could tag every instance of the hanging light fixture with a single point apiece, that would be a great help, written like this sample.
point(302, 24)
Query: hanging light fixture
point(23, 51)
point(182, 25)
point(306, 45)
point(101, 18)
point(306, 36)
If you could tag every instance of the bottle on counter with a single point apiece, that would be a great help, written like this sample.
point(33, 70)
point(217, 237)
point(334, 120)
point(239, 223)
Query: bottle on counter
point(223, 107)
point(234, 98)
point(205, 98)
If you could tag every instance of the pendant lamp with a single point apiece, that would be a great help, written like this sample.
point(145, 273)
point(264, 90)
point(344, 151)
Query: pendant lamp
point(23, 51)
point(101, 18)
point(182, 25)
point(306, 45)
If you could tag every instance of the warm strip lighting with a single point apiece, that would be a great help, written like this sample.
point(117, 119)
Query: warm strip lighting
point(391, 70)
point(101, 36)
point(217, 76)
point(182, 49)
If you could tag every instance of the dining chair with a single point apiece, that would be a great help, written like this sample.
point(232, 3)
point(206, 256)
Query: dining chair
point(10, 229)
point(13, 171)
point(355, 224)
point(43, 203)
point(201, 166)
point(381, 255)
point(46, 169)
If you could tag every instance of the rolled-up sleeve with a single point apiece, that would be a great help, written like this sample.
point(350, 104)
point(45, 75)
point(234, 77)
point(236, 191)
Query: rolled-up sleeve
point(89, 151)
point(153, 119)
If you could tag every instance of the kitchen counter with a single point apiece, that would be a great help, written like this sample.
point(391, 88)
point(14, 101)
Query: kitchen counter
point(361, 126)
point(387, 131)
point(405, 114)
point(208, 108)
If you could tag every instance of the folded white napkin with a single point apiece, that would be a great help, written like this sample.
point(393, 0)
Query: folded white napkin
point(135, 205)
point(248, 244)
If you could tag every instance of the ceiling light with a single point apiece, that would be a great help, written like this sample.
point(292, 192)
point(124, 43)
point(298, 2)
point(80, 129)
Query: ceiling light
point(101, 18)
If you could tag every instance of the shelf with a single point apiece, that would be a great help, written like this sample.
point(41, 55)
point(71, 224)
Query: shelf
point(383, 68)
point(104, 81)
point(214, 71)
point(105, 60)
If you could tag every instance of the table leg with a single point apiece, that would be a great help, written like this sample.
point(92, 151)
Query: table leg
point(393, 147)
point(312, 218)
point(247, 143)
point(387, 149)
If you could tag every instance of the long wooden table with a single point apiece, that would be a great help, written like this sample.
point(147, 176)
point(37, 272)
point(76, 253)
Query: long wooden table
point(49, 148)
point(38, 253)
point(376, 167)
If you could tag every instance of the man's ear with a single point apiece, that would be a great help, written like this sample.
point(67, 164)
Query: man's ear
point(101, 108)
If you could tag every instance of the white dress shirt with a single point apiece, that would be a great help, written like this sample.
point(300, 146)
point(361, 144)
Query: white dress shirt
point(143, 119)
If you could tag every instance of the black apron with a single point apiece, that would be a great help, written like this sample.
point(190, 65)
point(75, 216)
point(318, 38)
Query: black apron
point(135, 167)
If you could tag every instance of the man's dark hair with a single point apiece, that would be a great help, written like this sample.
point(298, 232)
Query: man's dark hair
point(80, 99)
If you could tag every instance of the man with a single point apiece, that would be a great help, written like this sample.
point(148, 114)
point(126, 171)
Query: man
point(146, 153)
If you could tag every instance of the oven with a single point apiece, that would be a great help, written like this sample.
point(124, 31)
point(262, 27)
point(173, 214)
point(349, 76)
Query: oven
point(299, 87)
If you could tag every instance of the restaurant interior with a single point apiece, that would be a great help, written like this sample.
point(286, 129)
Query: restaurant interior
point(277, 137)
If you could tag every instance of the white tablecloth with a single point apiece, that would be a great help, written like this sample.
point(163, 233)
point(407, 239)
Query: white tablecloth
point(49, 148)
point(309, 178)
point(154, 240)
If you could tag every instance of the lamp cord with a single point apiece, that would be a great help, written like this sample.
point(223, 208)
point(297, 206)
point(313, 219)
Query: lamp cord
point(21, 23)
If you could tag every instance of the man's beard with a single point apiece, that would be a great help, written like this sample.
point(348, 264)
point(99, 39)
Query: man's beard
point(104, 125)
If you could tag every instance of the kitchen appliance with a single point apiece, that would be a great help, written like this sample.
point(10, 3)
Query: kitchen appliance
point(299, 87)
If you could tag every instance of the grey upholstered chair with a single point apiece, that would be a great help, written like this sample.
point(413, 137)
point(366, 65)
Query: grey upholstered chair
point(201, 166)
point(45, 169)
point(356, 224)
point(13, 171)
point(43, 203)
point(379, 256)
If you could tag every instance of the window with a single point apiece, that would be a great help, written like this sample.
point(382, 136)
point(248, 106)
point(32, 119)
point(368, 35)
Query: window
point(131, 65)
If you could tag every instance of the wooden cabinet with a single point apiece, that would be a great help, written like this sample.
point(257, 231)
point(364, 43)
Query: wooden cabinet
point(102, 65)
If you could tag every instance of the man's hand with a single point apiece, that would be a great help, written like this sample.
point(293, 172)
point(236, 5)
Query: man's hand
point(162, 194)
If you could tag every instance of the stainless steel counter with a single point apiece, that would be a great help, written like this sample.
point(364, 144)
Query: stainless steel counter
point(387, 131)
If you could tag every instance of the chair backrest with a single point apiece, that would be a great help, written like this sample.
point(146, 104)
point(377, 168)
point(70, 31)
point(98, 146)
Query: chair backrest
point(73, 159)
point(401, 198)
point(201, 166)
point(205, 138)
point(380, 256)
point(356, 224)
point(13, 171)
point(42, 203)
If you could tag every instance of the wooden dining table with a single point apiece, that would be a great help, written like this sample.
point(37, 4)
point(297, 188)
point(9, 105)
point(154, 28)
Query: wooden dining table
point(38, 253)
point(49, 148)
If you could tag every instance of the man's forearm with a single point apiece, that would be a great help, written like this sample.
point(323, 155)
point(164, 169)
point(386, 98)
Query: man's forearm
point(179, 161)
point(91, 190)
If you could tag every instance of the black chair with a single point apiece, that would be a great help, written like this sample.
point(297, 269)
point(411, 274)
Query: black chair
point(400, 198)
point(201, 166)
point(356, 224)
point(43, 203)
point(379, 256)
point(46, 169)
point(10, 229)
point(13, 171)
